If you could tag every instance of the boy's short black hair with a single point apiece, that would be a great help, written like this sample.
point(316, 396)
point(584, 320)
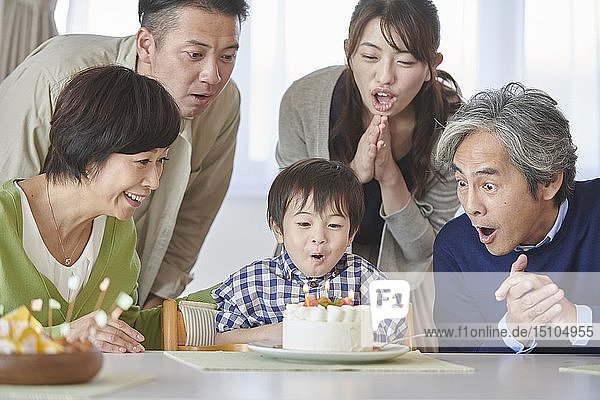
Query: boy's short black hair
point(106, 110)
point(331, 183)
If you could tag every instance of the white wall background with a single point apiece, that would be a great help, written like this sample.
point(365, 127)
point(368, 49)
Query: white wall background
point(551, 44)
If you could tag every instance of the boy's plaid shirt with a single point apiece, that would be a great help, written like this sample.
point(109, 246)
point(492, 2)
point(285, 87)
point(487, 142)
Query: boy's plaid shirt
point(257, 294)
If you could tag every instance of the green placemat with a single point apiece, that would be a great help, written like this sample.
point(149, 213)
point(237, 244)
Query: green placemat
point(413, 361)
point(584, 369)
point(96, 387)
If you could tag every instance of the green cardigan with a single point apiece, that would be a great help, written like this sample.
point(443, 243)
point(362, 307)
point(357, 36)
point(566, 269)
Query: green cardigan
point(20, 281)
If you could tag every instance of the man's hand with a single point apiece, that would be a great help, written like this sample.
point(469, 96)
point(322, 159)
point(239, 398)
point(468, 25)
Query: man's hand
point(533, 298)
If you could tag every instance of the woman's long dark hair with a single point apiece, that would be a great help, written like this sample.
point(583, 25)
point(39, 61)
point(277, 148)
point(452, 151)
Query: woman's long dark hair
point(417, 24)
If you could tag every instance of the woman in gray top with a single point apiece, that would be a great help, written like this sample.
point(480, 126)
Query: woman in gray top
point(382, 114)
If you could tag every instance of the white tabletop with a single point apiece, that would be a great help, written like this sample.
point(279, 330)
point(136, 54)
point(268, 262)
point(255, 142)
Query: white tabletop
point(496, 376)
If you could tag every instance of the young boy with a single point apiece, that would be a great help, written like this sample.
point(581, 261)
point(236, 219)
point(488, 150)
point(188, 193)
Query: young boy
point(314, 209)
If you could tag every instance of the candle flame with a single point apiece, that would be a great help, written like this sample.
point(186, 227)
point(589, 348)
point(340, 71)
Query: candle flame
point(305, 290)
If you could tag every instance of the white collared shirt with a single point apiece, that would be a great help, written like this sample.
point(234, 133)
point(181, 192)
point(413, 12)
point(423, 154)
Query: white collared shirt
point(562, 213)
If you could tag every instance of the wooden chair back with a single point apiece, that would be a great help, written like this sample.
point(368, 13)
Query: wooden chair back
point(175, 335)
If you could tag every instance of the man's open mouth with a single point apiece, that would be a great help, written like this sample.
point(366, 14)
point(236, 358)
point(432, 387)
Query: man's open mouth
point(486, 235)
point(487, 231)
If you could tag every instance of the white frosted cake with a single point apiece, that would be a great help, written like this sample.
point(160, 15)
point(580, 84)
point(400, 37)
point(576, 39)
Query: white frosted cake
point(332, 328)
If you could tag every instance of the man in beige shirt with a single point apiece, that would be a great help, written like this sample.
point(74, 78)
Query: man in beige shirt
point(190, 47)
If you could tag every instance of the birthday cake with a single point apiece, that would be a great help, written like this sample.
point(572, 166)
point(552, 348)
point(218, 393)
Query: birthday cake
point(327, 326)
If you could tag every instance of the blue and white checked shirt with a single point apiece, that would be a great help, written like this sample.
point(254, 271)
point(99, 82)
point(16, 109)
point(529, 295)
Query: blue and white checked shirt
point(257, 294)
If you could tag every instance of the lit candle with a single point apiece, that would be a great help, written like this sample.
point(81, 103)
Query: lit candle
point(103, 287)
point(327, 288)
point(305, 290)
point(351, 295)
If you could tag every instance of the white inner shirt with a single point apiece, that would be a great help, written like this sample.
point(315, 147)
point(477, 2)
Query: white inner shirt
point(44, 261)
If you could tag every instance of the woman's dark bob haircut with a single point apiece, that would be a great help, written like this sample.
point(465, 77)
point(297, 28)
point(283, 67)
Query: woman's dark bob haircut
point(106, 110)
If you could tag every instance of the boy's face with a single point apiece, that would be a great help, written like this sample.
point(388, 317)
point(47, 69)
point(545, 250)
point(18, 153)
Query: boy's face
point(315, 242)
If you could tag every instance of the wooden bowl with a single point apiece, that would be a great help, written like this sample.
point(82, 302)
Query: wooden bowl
point(49, 369)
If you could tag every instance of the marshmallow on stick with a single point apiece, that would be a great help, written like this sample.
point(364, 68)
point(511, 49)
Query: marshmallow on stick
point(123, 302)
point(101, 318)
point(103, 288)
point(52, 305)
point(73, 284)
point(36, 305)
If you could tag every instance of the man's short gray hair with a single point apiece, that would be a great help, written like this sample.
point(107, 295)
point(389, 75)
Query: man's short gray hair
point(527, 121)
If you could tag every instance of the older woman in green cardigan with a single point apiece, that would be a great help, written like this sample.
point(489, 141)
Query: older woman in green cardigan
point(110, 134)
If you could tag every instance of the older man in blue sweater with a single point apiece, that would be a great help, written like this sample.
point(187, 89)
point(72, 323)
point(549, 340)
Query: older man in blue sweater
point(519, 270)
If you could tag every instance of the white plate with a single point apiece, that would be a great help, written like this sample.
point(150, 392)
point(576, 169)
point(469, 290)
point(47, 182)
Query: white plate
point(377, 354)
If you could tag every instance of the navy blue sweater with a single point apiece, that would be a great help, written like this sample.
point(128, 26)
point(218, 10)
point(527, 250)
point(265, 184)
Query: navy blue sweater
point(467, 275)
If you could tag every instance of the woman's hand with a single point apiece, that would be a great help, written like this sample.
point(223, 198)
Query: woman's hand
point(363, 163)
point(385, 166)
point(394, 192)
point(115, 337)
